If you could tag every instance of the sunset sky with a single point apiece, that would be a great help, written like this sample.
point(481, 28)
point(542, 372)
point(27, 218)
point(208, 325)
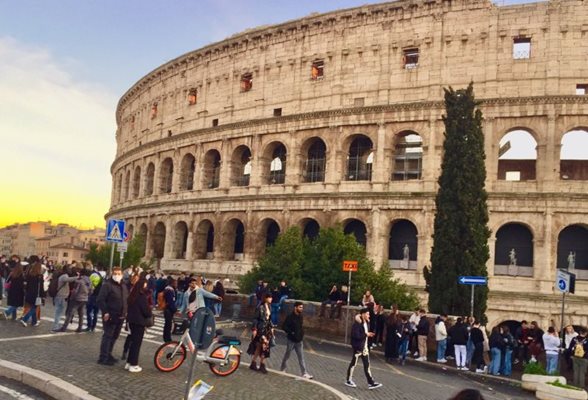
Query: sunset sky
point(64, 65)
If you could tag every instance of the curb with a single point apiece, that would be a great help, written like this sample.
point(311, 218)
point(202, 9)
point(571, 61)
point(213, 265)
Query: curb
point(42, 381)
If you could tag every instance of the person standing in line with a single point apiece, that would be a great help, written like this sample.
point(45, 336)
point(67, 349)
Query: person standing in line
point(404, 339)
point(294, 329)
point(496, 349)
point(459, 338)
point(218, 290)
point(359, 343)
point(579, 350)
point(275, 306)
point(139, 316)
point(392, 335)
point(509, 345)
point(16, 291)
point(413, 321)
point(569, 334)
point(552, 344)
point(380, 325)
point(34, 292)
point(441, 338)
point(112, 301)
point(422, 335)
point(477, 338)
point(169, 294)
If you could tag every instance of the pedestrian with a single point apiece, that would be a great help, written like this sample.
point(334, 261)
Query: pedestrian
point(459, 338)
point(139, 317)
point(195, 296)
point(275, 306)
point(34, 292)
point(579, 350)
point(331, 300)
point(392, 335)
point(441, 338)
point(285, 293)
point(262, 333)
point(359, 343)
point(77, 299)
point(15, 286)
point(379, 324)
point(218, 290)
point(523, 341)
point(169, 309)
point(404, 339)
point(413, 321)
point(112, 301)
point(552, 345)
point(422, 335)
point(477, 338)
point(497, 346)
point(535, 335)
point(509, 345)
point(92, 304)
point(294, 328)
point(569, 334)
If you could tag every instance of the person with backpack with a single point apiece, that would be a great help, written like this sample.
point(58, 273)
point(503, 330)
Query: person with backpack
point(579, 350)
point(59, 291)
point(92, 304)
point(78, 299)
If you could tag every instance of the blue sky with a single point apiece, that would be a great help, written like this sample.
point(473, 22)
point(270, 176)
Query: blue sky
point(63, 66)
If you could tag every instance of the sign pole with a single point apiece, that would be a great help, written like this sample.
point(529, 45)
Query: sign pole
point(348, 304)
point(122, 254)
point(111, 259)
point(562, 333)
point(472, 302)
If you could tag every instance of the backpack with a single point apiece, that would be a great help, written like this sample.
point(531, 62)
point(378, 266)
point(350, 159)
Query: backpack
point(579, 349)
point(53, 289)
point(161, 303)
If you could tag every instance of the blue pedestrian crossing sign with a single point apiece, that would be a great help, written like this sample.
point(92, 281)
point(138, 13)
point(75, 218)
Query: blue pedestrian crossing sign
point(115, 231)
point(473, 280)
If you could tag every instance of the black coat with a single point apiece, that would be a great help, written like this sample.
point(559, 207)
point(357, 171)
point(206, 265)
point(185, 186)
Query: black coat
point(112, 299)
point(459, 334)
point(34, 289)
point(139, 310)
point(293, 327)
point(16, 292)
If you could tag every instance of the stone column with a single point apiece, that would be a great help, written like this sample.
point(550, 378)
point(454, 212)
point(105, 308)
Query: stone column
point(491, 150)
point(546, 263)
point(380, 156)
point(293, 170)
point(190, 245)
point(148, 244)
point(176, 173)
point(429, 172)
point(334, 173)
point(551, 154)
point(169, 239)
point(375, 246)
point(255, 179)
point(225, 173)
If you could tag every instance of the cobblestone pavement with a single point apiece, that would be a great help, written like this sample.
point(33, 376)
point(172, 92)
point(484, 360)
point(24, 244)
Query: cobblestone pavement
point(72, 357)
point(13, 390)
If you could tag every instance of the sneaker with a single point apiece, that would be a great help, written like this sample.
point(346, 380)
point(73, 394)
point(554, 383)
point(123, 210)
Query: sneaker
point(422, 359)
point(442, 361)
point(350, 384)
point(416, 353)
point(23, 323)
point(479, 371)
point(374, 385)
point(38, 323)
point(516, 361)
point(450, 358)
point(135, 368)
point(127, 366)
point(307, 376)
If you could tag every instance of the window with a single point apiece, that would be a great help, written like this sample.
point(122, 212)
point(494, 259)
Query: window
point(317, 70)
point(215, 122)
point(277, 112)
point(513, 175)
point(246, 82)
point(521, 48)
point(65, 254)
point(192, 97)
point(411, 58)
point(132, 122)
point(581, 89)
point(154, 110)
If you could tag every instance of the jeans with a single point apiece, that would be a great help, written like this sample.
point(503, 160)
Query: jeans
point(275, 313)
point(441, 348)
point(78, 306)
point(92, 312)
point(460, 355)
point(299, 349)
point(469, 352)
point(218, 307)
point(32, 313)
point(551, 364)
point(507, 366)
point(60, 305)
point(403, 348)
point(11, 310)
point(495, 363)
point(111, 332)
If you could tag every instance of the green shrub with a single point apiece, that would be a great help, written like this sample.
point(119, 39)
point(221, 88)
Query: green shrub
point(557, 383)
point(534, 368)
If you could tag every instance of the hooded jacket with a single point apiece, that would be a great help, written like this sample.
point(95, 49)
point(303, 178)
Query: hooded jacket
point(358, 335)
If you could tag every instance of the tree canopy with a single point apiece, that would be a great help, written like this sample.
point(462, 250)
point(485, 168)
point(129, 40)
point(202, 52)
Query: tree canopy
point(100, 254)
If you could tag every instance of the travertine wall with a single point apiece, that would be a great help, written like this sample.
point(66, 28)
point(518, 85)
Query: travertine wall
point(366, 90)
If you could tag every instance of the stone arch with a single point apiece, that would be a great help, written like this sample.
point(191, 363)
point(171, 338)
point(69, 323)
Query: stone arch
point(408, 156)
point(136, 182)
point(270, 230)
point(143, 231)
point(517, 155)
point(166, 175)
point(234, 239)
point(187, 170)
point(180, 243)
point(403, 244)
point(573, 160)
point(127, 186)
point(314, 153)
point(212, 167)
point(357, 228)
point(273, 163)
point(130, 229)
point(158, 240)
point(310, 228)
point(572, 247)
point(241, 166)
point(149, 179)
point(204, 240)
point(513, 254)
point(360, 157)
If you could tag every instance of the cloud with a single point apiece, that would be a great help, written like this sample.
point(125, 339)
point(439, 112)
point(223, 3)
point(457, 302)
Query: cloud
point(57, 135)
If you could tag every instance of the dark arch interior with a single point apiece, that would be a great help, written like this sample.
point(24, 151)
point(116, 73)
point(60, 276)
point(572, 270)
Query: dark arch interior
point(357, 228)
point(403, 233)
point(573, 239)
point(517, 237)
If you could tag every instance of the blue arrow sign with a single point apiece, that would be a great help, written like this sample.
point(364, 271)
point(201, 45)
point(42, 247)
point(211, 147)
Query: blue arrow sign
point(473, 280)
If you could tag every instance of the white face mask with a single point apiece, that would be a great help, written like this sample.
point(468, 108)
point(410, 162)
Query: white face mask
point(147, 276)
point(117, 278)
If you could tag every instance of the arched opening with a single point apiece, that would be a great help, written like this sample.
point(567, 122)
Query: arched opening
point(408, 156)
point(212, 166)
point(143, 234)
point(136, 182)
point(356, 228)
point(316, 161)
point(514, 250)
point(573, 164)
point(572, 249)
point(274, 161)
point(127, 186)
point(130, 229)
point(360, 159)
point(204, 241)
point(149, 179)
point(272, 231)
point(187, 169)
point(310, 228)
point(512, 325)
point(180, 244)
point(241, 166)
point(158, 240)
point(517, 156)
point(166, 176)
point(235, 239)
point(403, 245)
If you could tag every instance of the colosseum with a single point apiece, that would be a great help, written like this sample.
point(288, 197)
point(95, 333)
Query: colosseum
point(336, 118)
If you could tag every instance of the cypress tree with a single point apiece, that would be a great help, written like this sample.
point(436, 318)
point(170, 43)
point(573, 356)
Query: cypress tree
point(460, 239)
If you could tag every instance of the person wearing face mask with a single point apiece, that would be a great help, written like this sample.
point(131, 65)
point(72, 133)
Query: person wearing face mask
point(112, 301)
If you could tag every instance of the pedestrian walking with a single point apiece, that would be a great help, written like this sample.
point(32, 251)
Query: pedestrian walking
point(359, 343)
point(34, 292)
point(579, 350)
point(15, 286)
point(294, 328)
point(169, 307)
point(139, 317)
point(112, 301)
point(262, 333)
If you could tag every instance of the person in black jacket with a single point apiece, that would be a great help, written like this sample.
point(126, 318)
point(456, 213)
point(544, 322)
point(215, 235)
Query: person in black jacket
point(422, 335)
point(34, 293)
point(459, 337)
point(139, 316)
point(293, 327)
point(112, 301)
point(477, 338)
point(359, 343)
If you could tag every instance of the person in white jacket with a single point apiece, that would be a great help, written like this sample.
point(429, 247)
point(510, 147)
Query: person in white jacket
point(441, 338)
point(552, 344)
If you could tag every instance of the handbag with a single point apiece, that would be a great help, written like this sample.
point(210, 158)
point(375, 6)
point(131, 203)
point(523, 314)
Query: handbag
point(38, 301)
point(150, 321)
point(7, 285)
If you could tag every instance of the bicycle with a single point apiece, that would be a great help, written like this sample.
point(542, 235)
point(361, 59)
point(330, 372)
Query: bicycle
point(222, 356)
